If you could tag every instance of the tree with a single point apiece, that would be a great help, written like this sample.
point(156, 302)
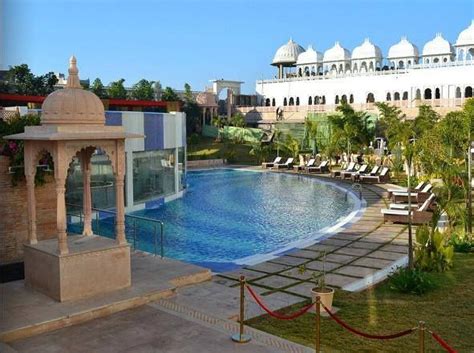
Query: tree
point(143, 90)
point(237, 120)
point(21, 78)
point(117, 89)
point(350, 129)
point(311, 133)
point(48, 81)
point(98, 89)
point(291, 146)
point(188, 94)
point(169, 95)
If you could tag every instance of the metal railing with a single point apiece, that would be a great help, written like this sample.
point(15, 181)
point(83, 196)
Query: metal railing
point(136, 224)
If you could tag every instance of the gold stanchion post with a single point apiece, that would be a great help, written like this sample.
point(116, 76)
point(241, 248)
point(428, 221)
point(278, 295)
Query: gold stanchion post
point(421, 336)
point(241, 337)
point(318, 324)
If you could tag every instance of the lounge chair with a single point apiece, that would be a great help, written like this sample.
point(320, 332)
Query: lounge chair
point(323, 167)
point(383, 177)
point(348, 175)
point(288, 164)
point(404, 206)
point(420, 215)
point(350, 168)
point(271, 164)
point(356, 176)
point(310, 163)
point(415, 189)
point(417, 197)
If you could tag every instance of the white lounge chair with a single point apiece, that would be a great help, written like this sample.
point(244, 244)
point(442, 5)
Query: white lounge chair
point(321, 168)
point(310, 163)
point(271, 164)
point(288, 164)
point(418, 197)
point(420, 215)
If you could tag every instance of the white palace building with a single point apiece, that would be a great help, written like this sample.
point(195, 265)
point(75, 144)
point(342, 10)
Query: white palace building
point(308, 81)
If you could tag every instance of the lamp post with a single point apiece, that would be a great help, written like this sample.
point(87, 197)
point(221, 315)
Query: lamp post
point(409, 157)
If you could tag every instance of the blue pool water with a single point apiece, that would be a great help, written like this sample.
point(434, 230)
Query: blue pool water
point(231, 217)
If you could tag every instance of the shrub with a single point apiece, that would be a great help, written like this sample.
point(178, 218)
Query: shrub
point(411, 281)
point(193, 139)
point(432, 251)
point(461, 242)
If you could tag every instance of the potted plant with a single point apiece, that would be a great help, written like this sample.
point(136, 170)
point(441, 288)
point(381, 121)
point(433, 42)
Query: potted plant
point(326, 294)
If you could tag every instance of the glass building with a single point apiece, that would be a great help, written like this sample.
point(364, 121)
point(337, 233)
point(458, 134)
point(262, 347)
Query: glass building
point(155, 164)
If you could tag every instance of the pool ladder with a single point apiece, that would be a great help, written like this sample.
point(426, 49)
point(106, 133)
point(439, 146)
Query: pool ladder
point(137, 223)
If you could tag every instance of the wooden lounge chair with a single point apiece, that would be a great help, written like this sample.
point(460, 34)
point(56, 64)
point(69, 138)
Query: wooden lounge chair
point(404, 206)
point(271, 164)
point(420, 215)
point(356, 176)
point(288, 164)
point(415, 189)
point(348, 175)
point(350, 168)
point(383, 177)
point(323, 167)
point(416, 197)
point(310, 163)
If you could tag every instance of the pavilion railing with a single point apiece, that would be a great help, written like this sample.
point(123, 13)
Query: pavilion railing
point(137, 228)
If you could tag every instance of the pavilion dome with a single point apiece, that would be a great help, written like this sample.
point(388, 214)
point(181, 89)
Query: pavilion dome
point(337, 53)
point(466, 37)
point(310, 56)
point(403, 49)
point(367, 50)
point(437, 46)
point(72, 105)
point(287, 54)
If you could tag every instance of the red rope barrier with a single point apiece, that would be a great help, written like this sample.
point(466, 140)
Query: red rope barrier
point(363, 334)
point(275, 314)
point(442, 343)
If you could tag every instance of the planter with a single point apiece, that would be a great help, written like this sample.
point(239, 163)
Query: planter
point(326, 295)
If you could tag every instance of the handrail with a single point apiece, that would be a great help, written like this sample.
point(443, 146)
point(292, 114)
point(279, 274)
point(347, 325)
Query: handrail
point(134, 218)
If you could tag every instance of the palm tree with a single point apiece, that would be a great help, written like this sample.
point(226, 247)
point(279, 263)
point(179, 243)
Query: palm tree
point(311, 133)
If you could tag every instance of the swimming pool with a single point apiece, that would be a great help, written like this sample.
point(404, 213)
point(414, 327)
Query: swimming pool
point(231, 217)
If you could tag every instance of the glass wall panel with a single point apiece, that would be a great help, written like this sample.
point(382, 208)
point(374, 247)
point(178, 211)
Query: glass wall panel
point(181, 169)
point(102, 182)
point(153, 174)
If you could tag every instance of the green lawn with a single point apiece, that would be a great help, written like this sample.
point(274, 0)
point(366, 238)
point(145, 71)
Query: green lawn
point(448, 310)
point(207, 148)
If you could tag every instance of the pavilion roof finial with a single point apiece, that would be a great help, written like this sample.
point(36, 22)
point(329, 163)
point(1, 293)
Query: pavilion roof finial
point(73, 78)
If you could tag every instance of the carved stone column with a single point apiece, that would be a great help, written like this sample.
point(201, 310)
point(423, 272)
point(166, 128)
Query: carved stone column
point(119, 199)
point(30, 172)
point(119, 193)
point(87, 196)
point(61, 216)
point(30, 186)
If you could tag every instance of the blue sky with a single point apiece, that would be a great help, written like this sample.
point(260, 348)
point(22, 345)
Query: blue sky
point(178, 41)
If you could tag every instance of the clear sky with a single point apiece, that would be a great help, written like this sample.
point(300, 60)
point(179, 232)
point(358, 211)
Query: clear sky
point(178, 41)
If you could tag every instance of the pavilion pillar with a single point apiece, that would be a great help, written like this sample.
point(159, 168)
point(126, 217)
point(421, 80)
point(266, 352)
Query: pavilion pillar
point(30, 172)
point(119, 193)
point(87, 196)
point(61, 215)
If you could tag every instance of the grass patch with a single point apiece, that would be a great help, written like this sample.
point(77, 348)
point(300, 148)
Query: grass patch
point(208, 148)
point(447, 310)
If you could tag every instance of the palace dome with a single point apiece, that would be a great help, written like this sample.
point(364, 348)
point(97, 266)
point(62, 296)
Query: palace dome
point(287, 54)
point(466, 37)
point(337, 53)
point(403, 49)
point(310, 56)
point(72, 105)
point(367, 50)
point(438, 46)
